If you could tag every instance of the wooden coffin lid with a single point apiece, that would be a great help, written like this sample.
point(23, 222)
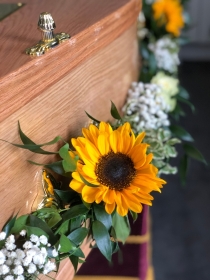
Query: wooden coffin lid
point(92, 24)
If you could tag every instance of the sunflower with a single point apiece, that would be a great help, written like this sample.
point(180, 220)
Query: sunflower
point(114, 168)
point(169, 13)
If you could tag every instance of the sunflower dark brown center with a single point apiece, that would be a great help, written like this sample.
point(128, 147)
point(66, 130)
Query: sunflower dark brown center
point(115, 171)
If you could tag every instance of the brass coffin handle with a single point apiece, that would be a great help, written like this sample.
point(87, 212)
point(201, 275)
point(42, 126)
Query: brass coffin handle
point(49, 40)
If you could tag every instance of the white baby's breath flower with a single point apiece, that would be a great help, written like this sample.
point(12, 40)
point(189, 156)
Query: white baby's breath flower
point(9, 244)
point(20, 254)
point(4, 269)
point(28, 245)
point(43, 239)
point(44, 252)
point(2, 257)
point(2, 235)
point(12, 255)
point(32, 268)
point(34, 238)
point(9, 262)
point(27, 261)
point(54, 253)
point(32, 252)
point(145, 108)
point(18, 270)
point(17, 262)
point(48, 267)
point(23, 232)
point(38, 259)
point(9, 277)
point(166, 54)
point(20, 277)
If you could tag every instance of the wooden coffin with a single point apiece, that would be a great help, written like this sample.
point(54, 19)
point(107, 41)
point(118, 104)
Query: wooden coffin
point(49, 94)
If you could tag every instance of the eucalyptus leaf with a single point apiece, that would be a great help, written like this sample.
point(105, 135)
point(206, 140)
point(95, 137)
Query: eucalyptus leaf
point(102, 238)
point(191, 151)
point(114, 112)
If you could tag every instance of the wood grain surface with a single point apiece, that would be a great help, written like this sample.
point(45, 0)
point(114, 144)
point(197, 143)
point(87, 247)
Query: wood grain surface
point(49, 94)
point(92, 25)
point(59, 110)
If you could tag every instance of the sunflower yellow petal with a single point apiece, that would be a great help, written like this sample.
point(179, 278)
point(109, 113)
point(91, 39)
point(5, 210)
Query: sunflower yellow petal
point(139, 138)
point(89, 172)
point(109, 208)
point(92, 151)
point(105, 127)
point(114, 138)
point(89, 194)
point(103, 144)
point(76, 185)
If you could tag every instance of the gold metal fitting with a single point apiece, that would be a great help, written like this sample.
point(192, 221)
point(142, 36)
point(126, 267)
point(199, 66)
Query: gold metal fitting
point(49, 40)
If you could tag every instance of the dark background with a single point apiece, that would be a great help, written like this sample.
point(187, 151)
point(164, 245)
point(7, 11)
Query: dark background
point(181, 215)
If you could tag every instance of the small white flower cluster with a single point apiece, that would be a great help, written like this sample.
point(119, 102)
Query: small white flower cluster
point(31, 259)
point(166, 54)
point(145, 108)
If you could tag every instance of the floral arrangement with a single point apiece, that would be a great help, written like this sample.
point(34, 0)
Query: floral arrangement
point(110, 175)
point(109, 172)
point(156, 102)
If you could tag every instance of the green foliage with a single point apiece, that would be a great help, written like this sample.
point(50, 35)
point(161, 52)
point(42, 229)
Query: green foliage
point(102, 238)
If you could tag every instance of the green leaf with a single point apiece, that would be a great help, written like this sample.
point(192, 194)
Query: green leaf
point(66, 196)
point(173, 141)
point(87, 183)
point(192, 152)
point(134, 215)
point(78, 235)
point(121, 226)
point(183, 167)
point(74, 260)
point(183, 93)
point(93, 119)
point(180, 132)
point(35, 230)
point(75, 211)
point(36, 222)
point(79, 253)
point(8, 227)
point(102, 215)
point(69, 164)
point(66, 244)
point(192, 107)
point(102, 238)
point(63, 228)
point(56, 167)
point(114, 112)
point(54, 220)
point(19, 224)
